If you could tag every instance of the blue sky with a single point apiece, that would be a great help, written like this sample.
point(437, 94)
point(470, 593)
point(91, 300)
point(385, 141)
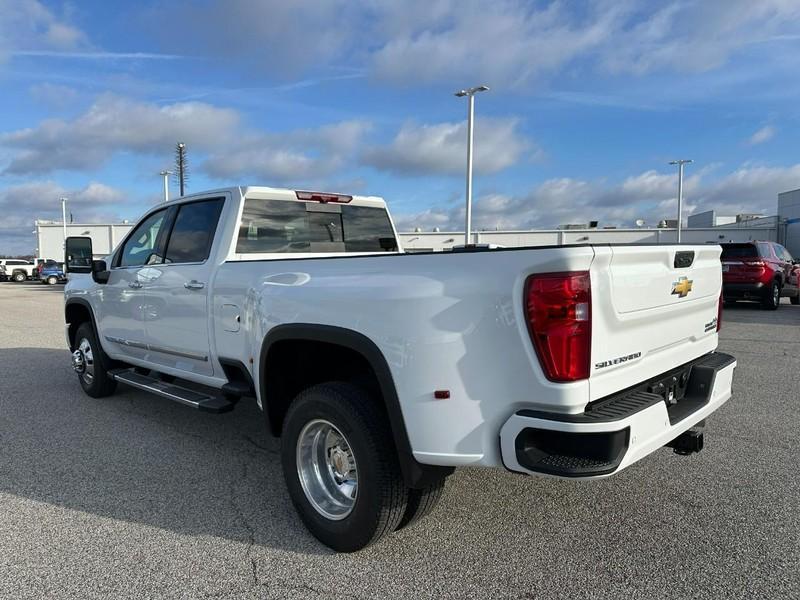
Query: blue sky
point(589, 102)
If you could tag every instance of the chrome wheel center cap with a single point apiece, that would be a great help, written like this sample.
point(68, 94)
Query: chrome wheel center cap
point(78, 362)
point(340, 464)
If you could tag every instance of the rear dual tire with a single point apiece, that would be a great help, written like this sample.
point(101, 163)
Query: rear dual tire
point(342, 471)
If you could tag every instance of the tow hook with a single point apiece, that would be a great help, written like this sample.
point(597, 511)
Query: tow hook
point(688, 442)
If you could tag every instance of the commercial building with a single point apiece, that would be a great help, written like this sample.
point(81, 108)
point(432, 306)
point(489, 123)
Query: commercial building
point(50, 237)
point(706, 227)
point(789, 218)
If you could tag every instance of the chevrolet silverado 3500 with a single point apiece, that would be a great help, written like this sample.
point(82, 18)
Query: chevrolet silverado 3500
point(383, 371)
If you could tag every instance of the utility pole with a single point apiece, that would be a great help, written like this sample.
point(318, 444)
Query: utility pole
point(470, 94)
point(680, 162)
point(180, 165)
point(165, 174)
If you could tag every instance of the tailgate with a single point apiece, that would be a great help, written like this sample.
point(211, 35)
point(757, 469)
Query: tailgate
point(653, 308)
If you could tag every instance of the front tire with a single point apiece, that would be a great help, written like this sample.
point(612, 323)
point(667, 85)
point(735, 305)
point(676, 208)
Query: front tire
point(773, 299)
point(19, 277)
point(89, 361)
point(341, 466)
point(52, 280)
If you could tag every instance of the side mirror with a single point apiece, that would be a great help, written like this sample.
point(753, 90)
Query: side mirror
point(100, 271)
point(78, 255)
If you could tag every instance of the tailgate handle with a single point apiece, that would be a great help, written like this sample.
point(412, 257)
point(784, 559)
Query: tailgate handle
point(684, 258)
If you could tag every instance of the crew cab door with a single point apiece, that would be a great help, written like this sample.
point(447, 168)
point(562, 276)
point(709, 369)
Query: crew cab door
point(177, 290)
point(121, 303)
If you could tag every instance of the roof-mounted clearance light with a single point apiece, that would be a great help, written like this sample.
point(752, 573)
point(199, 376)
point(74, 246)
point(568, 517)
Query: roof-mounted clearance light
point(320, 197)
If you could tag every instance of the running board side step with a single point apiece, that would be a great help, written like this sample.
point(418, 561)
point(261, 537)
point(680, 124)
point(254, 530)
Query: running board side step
point(198, 400)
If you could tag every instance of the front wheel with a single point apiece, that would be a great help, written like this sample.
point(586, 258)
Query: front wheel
point(341, 467)
point(52, 280)
point(88, 361)
point(19, 277)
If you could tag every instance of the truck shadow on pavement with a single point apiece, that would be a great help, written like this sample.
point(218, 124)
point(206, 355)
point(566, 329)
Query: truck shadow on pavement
point(142, 459)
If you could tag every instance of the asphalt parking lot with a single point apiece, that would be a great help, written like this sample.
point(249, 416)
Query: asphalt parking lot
point(134, 496)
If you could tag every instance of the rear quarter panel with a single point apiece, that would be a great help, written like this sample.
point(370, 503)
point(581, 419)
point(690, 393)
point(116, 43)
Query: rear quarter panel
point(444, 321)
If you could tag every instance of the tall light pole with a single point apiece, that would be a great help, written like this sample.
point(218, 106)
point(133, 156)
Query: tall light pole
point(64, 218)
point(680, 162)
point(165, 175)
point(470, 94)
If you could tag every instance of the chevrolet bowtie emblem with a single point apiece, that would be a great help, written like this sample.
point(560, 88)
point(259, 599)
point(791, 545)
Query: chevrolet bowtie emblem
point(682, 287)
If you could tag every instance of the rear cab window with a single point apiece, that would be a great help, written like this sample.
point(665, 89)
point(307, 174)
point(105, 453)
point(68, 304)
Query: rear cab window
point(276, 226)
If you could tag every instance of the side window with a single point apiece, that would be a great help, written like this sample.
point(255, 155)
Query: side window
point(763, 250)
point(141, 247)
point(193, 232)
point(783, 253)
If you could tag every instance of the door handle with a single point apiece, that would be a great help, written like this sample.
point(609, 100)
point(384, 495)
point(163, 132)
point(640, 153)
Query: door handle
point(135, 285)
point(194, 285)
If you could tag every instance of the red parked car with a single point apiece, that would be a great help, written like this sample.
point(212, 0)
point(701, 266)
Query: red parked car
point(761, 271)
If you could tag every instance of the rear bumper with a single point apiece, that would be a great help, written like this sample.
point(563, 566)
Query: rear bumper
point(617, 431)
point(755, 290)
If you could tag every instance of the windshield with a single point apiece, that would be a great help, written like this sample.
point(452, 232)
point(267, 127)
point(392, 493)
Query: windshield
point(286, 226)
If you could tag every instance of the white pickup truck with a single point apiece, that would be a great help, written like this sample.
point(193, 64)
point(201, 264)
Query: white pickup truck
point(383, 371)
point(18, 270)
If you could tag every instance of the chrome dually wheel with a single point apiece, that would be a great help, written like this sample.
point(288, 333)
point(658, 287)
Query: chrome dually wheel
point(327, 469)
point(341, 467)
point(90, 364)
point(83, 361)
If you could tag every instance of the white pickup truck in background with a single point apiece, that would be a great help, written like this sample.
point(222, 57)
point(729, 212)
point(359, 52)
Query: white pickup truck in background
point(18, 270)
point(383, 371)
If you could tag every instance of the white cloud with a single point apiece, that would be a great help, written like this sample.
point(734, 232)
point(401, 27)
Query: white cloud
point(304, 155)
point(695, 36)
point(764, 134)
point(30, 25)
point(505, 42)
point(217, 140)
point(439, 148)
point(115, 124)
point(21, 204)
point(649, 195)
point(269, 35)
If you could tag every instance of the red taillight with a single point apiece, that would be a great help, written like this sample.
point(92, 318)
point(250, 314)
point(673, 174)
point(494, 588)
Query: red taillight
point(719, 312)
point(320, 197)
point(558, 307)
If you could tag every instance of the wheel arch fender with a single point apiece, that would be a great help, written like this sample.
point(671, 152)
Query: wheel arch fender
point(416, 475)
point(75, 312)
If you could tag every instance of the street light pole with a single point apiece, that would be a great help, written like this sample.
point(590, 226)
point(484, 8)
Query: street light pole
point(680, 162)
point(470, 94)
point(165, 175)
point(64, 218)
